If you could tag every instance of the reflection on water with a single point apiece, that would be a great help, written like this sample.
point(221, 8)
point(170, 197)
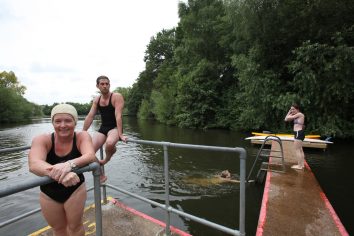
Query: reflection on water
point(10, 163)
point(139, 169)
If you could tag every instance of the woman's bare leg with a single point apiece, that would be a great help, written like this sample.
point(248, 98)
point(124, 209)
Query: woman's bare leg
point(299, 155)
point(98, 141)
point(54, 214)
point(111, 142)
point(74, 209)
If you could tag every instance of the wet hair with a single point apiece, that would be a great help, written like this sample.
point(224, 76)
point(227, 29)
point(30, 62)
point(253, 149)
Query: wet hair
point(296, 106)
point(225, 174)
point(101, 77)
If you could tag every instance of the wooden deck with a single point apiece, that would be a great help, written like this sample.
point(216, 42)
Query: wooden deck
point(294, 203)
point(120, 220)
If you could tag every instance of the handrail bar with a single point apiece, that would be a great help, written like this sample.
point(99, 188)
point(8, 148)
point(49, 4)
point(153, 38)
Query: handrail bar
point(20, 217)
point(4, 150)
point(192, 146)
point(37, 181)
point(267, 138)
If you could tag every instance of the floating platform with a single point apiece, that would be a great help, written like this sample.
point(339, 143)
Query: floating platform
point(120, 220)
point(308, 142)
point(294, 203)
point(312, 136)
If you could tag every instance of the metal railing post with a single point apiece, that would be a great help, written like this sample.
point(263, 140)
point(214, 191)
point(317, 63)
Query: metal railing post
point(97, 195)
point(167, 189)
point(104, 191)
point(242, 191)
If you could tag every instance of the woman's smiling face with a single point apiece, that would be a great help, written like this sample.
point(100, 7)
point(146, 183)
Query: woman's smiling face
point(64, 124)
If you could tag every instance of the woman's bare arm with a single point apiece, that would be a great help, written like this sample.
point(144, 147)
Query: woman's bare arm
point(38, 155)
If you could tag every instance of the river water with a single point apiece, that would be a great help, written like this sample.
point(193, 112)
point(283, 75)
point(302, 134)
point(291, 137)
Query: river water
point(139, 169)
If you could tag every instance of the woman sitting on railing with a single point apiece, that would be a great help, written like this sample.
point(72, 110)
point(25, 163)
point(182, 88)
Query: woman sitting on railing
point(56, 155)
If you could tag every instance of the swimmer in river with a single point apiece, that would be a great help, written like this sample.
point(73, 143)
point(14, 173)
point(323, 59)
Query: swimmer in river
point(223, 177)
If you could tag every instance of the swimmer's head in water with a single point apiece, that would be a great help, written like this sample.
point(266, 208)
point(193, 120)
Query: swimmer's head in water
point(225, 174)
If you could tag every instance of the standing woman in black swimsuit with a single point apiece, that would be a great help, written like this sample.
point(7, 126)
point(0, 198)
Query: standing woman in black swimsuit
point(56, 155)
point(295, 115)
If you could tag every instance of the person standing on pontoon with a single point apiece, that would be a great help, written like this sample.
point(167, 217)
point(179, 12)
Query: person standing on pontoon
point(298, 118)
point(57, 155)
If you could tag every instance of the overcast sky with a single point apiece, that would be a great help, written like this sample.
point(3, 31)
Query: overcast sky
point(57, 48)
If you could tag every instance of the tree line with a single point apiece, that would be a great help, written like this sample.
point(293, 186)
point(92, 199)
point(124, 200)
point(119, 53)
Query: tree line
point(15, 108)
point(240, 64)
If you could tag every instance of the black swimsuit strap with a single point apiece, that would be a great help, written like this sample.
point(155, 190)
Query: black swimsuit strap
point(53, 143)
point(98, 102)
point(110, 101)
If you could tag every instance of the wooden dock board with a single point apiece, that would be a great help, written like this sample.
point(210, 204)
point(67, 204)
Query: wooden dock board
point(120, 220)
point(294, 203)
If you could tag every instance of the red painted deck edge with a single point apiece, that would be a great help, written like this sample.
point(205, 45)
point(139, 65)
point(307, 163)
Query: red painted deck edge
point(147, 217)
point(263, 212)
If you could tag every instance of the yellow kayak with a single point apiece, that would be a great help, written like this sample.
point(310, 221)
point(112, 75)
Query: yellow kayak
point(311, 136)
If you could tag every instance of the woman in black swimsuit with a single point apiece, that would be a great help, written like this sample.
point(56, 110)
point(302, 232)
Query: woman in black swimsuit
point(56, 155)
point(295, 115)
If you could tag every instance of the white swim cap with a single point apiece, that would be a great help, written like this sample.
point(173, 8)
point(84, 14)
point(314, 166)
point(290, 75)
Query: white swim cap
point(65, 109)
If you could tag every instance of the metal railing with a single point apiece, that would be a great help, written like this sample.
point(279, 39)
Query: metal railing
point(242, 203)
point(267, 155)
point(95, 168)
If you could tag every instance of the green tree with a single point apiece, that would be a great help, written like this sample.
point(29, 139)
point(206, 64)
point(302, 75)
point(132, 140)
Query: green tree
point(159, 58)
point(258, 92)
point(82, 109)
point(9, 80)
point(266, 33)
point(159, 52)
point(13, 107)
point(323, 79)
point(140, 91)
point(240, 64)
point(163, 96)
point(197, 96)
point(144, 110)
point(202, 63)
point(47, 109)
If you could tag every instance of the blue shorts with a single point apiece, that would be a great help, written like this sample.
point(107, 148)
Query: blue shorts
point(299, 135)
